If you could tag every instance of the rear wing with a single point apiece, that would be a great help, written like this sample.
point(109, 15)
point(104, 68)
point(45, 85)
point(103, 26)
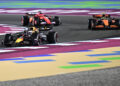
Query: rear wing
point(31, 14)
point(101, 15)
point(98, 16)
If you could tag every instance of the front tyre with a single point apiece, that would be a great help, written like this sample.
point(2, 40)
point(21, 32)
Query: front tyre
point(7, 40)
point(36, 40)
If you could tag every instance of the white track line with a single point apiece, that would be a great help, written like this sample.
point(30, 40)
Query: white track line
point(63, 44)
point(95, 41)
point(2, 33)
point(29, 47)
point(3, 51)
point(114, 38)
point(12, 31)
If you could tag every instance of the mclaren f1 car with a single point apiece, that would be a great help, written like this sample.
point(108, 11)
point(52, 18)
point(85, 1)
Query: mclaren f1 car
point(103, 21)
point(32, 36)
point(39, 19)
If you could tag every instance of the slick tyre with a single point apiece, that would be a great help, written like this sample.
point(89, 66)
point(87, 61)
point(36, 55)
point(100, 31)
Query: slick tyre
point(25, 20)
point(118, 23)
point(7, 39)
point(37, 41)
point(57, 21)
point(52, 37)
point(36, 21)
point(90, 24)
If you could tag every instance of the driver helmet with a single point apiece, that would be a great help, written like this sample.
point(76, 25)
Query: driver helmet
point(34, 29)
point(40, 12)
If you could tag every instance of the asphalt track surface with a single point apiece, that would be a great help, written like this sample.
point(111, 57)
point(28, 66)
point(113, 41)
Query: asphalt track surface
point(73, 28)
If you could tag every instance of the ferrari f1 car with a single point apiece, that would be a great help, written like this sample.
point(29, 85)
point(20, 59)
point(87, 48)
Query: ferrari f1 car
point(103, 21)
point(32, 36)
point(39, 19)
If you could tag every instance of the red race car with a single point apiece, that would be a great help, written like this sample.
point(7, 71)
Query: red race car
point(39, 19)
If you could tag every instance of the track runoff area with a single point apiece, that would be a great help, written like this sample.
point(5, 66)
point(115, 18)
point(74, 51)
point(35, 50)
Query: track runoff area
point(18, 63)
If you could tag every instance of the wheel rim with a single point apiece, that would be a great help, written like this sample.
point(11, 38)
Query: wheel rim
point(39, 41)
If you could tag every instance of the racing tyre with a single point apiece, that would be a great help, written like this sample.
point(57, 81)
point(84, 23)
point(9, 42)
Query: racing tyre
point(57, 21)
point(36, 21)
point(7, 39)
point(37, 41)
point(52, 37)
point(118, 23)
point(90, 24)
point(25, 20)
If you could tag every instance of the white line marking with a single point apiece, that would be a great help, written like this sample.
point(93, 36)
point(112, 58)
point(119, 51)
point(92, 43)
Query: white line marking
point(2, 33)
point(3, 24)
point(74, 11)
point(15, 11)
point(114, 38)
point(2, 10)
point(7, 26)
point(96, 41)
point(12, 31)
point(29, 47)
point(17, 29)
point(63, 44)
point(2, 51)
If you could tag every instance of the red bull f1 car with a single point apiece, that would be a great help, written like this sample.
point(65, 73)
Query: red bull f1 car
point(32, 36)
point(103, 21)
point(39, 19)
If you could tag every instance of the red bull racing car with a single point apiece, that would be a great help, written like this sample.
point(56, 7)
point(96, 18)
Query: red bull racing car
point(32, 36)
point(103, 21)
point(39, 19)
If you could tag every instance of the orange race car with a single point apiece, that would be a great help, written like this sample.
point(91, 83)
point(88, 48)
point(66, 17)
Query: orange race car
point(103, 21)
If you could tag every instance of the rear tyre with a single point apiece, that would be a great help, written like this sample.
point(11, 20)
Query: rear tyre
point(52, 37)
point(25, 20)
point(36, 21)
point(90, 24)
point(118, 23)
point(7, 40)
point(57, 21)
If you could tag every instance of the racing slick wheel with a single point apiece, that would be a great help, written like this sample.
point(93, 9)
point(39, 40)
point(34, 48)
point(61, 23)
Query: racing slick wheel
point(90, 24)
point(117, 22)
point(57, 21)
point(7, 40)
point(25, 20)
point(52, 37)
point(36, 21)
point(36, 40)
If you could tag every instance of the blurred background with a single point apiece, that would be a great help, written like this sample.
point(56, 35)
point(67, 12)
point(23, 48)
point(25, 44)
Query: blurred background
point(93, 4)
